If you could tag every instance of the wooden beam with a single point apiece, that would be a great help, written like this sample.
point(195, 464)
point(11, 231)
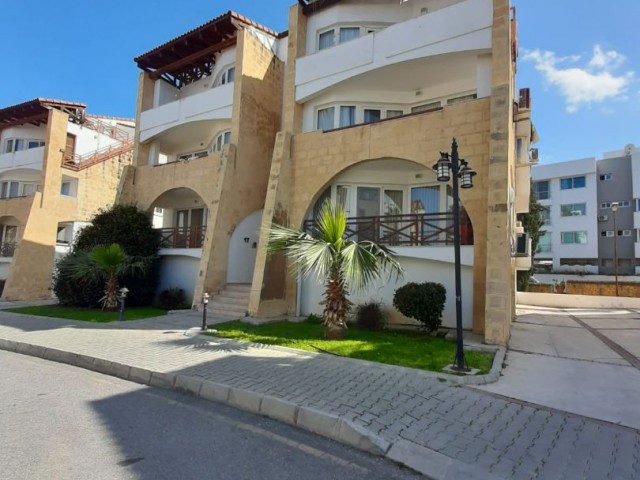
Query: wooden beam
point(183, 62)
point(41, 117)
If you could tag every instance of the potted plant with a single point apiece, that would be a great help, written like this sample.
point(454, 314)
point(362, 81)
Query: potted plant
point(559, 286)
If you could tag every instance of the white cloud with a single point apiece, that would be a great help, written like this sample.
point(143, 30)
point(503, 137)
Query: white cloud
point(594, 82)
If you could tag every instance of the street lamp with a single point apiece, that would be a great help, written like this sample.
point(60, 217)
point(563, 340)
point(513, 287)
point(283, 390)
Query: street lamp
point(205, 302)
point(614, 209)
point(451, 166)
point(123, 297)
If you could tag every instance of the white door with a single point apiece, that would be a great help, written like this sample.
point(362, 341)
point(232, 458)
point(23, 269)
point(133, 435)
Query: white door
point(243, 249)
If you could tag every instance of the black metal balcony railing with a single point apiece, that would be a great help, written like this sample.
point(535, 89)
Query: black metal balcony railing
point(7, 249)
point(185, 237)
point(414, 229)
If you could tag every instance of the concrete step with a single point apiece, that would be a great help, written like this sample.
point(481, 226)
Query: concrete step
point(237, 287)
point(226, 294)
point(230, 300)
point(224, 313)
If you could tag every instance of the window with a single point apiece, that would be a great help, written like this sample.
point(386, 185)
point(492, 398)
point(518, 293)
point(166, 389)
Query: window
point(573, 209)
point(329, 38)
point(371, 115)
point(463, 98)
point(624, 233)
point(9, 189)
point(426, 107)
point(325, 118)
point(226, 76)
point(185, 157)
point(223, 138)
point(541, 190)
point(574, 237)
point(394, 113)
point(637, 202)
point(545, 215)
point(606, 233)
point(347, 116)
point(16, 144)
point(621, 204)
point(65, 188)
point(573, 182)
point(606, 177)
point(544, 243)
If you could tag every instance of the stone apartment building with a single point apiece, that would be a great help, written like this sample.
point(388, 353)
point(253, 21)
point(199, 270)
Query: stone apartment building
point(240, 127)
point(58, 166)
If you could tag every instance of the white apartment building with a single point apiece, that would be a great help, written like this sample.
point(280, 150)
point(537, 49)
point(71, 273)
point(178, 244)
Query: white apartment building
point(579, 231)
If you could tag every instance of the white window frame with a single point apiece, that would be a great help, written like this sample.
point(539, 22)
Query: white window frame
point(606, 177)
point(572, 209)
point(222, 138)
point(363, 30)
point(11, 144)
point(226, 75)
point(575, 236)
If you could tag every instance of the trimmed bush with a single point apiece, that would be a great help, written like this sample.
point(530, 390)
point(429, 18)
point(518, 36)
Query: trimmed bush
point(423, 302)
point(132, 230)
point(172, 299)
point(370, 316)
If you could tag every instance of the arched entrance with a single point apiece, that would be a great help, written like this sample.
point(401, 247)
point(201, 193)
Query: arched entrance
point(243, 248)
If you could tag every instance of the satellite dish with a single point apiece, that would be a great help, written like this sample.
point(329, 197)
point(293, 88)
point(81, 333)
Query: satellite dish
point(628, 150)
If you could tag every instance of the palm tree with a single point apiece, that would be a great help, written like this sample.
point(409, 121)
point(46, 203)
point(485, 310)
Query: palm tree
point(107, 263)
point(341, 264)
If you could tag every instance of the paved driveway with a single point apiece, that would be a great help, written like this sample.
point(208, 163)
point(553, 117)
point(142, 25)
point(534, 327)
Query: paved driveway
point(583, 361)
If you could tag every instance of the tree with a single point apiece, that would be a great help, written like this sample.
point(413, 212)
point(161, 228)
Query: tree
point(132, 230)
point(341, 264)
point(532, 222)
point(106, 264)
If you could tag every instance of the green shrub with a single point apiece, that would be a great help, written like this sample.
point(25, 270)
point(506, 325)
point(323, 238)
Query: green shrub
point(172, 299)
point(313, 318)
point(423, 302)
point(132, 230)
point(371, 316)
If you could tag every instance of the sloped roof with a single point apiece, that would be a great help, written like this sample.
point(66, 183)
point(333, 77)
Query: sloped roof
point(311, 6)
point(192, 55)
point(36, 111)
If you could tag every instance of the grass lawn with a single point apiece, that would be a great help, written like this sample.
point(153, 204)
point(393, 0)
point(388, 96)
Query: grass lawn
point(88, 314)
point(409, 349)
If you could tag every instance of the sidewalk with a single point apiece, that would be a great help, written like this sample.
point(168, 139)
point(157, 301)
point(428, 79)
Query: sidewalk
point(442, 430)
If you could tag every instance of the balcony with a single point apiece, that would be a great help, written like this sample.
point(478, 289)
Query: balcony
point(415, 230)
point(32, 159)
point(463, 27)
point(213, 104)
point(182, 237)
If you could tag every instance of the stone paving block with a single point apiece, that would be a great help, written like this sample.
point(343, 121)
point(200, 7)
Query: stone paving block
point(139, 375)
point(245, 400)
point(187, 384)
point(60, 356)
point(214, 391)
point(162, 380)
point(279, 409)
point(318, 422)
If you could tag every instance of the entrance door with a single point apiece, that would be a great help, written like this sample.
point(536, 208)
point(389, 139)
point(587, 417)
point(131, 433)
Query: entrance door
point(195, 230)
point(243, 248)
point(70, 147)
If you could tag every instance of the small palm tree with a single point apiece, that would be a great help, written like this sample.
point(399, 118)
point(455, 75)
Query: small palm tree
point(340, 263)
point(107, 263)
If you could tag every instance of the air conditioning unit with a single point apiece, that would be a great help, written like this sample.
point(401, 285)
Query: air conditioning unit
point(522, 244)
point(603, 218)
point(533, 155)
point(525, 99)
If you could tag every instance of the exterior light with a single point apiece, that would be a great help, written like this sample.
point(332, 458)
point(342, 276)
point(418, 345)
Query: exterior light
point(442, 167)
point(205, 302)
point(123, 296)
point(462, 176)
point(466, 176)
point(614, 206)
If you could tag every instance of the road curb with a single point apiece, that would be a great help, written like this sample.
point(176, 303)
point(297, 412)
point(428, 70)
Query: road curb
point(421, 459)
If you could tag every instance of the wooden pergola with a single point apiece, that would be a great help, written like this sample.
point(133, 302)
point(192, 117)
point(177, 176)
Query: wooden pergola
point(36, 112)
point(192, 55)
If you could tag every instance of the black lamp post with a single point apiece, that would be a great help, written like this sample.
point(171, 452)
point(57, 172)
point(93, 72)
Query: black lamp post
point(123, 297)
point(451, 166)
point(205, 302)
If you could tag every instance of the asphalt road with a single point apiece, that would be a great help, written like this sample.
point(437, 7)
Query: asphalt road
point(62, 422)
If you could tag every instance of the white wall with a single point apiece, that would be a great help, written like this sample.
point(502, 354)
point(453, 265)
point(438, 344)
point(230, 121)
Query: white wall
point(87, 140)
point(589, 222)
point(242, 254)
point(575, 301)
point(179, 272)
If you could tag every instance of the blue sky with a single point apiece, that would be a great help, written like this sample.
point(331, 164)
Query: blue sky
point(580, 59)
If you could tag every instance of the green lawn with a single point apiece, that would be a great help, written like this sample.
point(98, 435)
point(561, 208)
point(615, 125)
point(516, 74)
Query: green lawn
point(409, 349)
point(88, 314)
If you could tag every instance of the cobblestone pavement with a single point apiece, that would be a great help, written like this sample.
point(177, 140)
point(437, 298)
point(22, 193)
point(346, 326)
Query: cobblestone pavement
point(507, 439)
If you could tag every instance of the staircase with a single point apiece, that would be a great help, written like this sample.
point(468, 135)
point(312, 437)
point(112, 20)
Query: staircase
point(231, 302)
point(124, 145)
